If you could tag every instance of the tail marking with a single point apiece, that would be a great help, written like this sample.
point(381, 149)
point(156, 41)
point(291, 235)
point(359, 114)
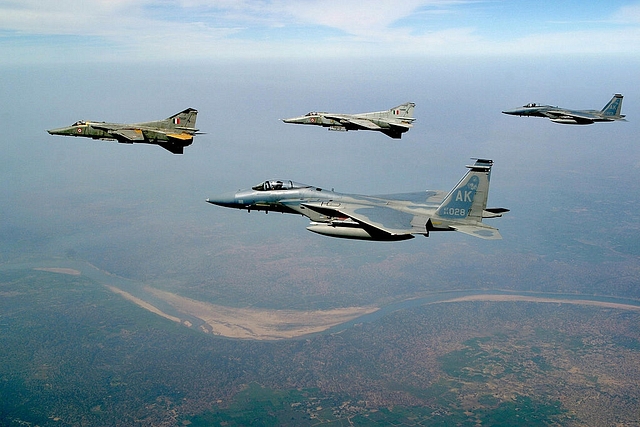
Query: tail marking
point(468, 199)
point(404, 111)
point(614, 106)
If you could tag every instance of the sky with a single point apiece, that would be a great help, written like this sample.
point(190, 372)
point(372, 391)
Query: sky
point(67, 31)
point(140, 212)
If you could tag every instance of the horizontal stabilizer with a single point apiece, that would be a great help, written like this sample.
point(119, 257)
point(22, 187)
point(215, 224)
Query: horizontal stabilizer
point(402, 125)
point(174, 148)
point(481, 231)
point(494, 212)
point(180, 136)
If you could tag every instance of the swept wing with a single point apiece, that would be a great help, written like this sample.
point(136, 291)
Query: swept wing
point(128, 134)
point(581, 117)
point(368, 124)
point(384, 220)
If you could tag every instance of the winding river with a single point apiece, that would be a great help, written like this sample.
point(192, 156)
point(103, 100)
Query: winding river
point(137, 289)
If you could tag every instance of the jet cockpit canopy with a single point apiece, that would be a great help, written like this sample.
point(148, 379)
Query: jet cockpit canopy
point(276, 184)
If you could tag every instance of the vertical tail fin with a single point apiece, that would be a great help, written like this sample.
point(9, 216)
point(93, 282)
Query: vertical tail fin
point(404, 110)
point(468, 199)
point(184, 119)
point(613, 107)
point(465, 206)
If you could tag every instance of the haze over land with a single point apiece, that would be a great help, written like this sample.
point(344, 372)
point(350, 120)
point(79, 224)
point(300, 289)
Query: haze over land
point(138, 213)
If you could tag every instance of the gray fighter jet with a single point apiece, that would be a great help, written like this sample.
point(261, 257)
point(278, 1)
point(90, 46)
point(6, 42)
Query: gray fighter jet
point(382, 218)
point(173, 133)
point(609, 113)
point(393, 122)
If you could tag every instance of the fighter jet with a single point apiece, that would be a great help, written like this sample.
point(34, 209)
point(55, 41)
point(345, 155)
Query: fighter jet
point(381, 218)
point(609, 113)
point(393, 122)
point(173, 133)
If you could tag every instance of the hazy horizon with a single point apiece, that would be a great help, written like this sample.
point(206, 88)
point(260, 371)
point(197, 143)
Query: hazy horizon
point(107, 202)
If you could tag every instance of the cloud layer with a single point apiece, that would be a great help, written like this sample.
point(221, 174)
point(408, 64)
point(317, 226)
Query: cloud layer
point(42, 30)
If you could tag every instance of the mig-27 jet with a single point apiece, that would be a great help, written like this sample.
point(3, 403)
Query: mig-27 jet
point(381, 218)
point(393, 122)
point(609, 113)
point(173, 133)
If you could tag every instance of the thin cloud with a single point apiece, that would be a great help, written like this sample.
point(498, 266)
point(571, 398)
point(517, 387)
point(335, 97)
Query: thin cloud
point(193, 29)
point(351, 16)
point(627, 15)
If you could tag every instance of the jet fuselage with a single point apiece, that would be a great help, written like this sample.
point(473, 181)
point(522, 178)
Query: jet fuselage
point(173, 133)
point(381, 218)
point(610, 113)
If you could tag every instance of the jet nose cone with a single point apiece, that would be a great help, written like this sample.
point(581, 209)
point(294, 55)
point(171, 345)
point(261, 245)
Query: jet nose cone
point(227, 200)
point(295, 120)
point(60, 131)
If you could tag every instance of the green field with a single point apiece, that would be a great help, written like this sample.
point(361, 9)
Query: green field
point(257, 405)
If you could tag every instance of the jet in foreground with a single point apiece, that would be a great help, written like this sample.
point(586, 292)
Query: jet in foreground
point(609, 113)
point(393, 122)
point(381, 218)
point(173, 133)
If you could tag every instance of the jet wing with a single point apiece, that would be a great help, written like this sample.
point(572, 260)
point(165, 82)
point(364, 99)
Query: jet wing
point(387, 220)
point(121, 133)
point(362, 123)
point(579, 117)
point(367, 124)
point(128, 134)
point(381, 218)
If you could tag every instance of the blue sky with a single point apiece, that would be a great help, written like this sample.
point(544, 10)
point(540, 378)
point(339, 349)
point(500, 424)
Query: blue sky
point(79, 30)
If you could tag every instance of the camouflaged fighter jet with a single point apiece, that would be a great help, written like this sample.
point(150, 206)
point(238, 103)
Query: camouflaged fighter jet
point(609, 113)
point(173, 133)
point(393, 122)
point(382, 218)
